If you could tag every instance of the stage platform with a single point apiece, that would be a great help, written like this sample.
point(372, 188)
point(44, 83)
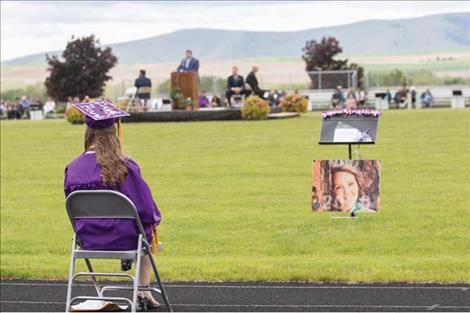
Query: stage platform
point(188, 116)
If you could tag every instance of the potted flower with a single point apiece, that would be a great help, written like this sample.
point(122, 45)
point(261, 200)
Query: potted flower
point(255, 108)
point(188, 104)
point(74, 116)
point(179, 102)
point(294, 103)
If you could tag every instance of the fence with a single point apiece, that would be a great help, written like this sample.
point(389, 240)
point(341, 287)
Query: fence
point(321, 80)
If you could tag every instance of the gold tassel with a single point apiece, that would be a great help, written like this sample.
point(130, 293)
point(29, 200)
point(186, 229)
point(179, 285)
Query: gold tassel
point(119, 131)
point(155, 240)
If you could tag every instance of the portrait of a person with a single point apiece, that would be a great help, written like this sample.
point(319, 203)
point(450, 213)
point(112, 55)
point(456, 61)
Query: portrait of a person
point(351, 186)
point(347, 190)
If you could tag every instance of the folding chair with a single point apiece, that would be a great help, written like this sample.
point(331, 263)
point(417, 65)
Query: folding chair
point(108, 204)
point(237, 101)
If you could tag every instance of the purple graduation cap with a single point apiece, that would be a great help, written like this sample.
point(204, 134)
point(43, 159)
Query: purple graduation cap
point(100, 114)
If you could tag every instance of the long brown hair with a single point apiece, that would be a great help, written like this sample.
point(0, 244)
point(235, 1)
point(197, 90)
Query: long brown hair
point(108, 154)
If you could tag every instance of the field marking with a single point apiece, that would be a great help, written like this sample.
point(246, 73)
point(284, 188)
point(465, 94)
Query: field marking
point(432, 307)
point(462, 288)
point(318, 287)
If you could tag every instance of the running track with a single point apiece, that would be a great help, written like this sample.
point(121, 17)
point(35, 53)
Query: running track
point(21, 295)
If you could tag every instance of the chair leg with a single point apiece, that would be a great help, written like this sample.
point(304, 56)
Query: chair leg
point(162, 289)
point(71, 272)
point(137, 275)
point(93, 278)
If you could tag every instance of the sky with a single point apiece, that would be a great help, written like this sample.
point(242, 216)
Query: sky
point(29, 27)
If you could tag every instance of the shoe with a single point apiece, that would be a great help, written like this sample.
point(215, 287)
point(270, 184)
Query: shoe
point(126, 264)
point(144, 304)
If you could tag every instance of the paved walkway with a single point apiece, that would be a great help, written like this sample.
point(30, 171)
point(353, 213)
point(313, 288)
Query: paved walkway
point(21, 295)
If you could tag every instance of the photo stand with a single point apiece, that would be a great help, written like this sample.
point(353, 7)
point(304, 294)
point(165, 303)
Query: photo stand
point(348, 130)
point(352, 216)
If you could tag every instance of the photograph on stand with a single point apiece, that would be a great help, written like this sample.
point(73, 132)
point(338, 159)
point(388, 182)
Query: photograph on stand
point(351, 186)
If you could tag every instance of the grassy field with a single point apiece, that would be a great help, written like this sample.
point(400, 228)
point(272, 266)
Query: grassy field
point(235, 200)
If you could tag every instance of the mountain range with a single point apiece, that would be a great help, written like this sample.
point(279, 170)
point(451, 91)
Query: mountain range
point(441, 32)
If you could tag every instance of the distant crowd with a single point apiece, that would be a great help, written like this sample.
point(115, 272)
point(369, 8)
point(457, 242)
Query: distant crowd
point(21, 108)
point(352, 100)
point(356, 99)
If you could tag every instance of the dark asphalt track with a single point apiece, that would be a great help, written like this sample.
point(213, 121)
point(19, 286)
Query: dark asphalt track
point(21, 295)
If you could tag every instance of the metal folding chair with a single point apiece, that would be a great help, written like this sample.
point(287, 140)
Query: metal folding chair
point(108, 204)
point(237, 101)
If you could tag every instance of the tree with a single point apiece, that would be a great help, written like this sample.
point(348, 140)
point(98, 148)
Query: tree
point(83, 71)
point(320, 56)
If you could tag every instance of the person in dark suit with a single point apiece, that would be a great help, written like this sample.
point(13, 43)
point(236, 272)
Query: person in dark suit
point(188, 64)
point(235, 85)
point(253, 82)
point(144, 88)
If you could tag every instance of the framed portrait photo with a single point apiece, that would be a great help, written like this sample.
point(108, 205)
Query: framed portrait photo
point(346, 186)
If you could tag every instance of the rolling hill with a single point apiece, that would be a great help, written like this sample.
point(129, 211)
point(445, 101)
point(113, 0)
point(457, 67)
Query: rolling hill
point(442, 32)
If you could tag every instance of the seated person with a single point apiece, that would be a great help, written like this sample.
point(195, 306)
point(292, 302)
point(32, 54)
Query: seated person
point(49, 106)
point(103, 166)
point(203, 100)
point(215, 102)
point(400, 99)
point(253, 82)
point(144, 88)
point(235, 85)
point(274, 98)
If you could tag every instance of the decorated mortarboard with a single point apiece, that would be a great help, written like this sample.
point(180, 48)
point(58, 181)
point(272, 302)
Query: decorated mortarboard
point(100, 114)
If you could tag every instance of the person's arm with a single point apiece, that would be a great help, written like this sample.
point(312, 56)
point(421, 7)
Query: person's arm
point(196, 65)
point(251, 80)
point(135, 187)
point(66, 192)
point(181, 66)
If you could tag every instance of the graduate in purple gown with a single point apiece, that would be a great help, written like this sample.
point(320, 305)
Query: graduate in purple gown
point(103, 166)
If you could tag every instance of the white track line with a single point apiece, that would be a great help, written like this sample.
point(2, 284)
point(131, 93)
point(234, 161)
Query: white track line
point(282, 305)
point(463, 288)
point(318, 287)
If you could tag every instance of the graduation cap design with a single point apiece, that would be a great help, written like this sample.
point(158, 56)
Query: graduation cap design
point(100, 114)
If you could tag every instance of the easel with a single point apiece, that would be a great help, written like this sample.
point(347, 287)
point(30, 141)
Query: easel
point(328, 136)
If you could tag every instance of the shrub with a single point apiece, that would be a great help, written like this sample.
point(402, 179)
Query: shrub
point(179, 101)
point(74, 116)
point(294, 103)
point(255, 108)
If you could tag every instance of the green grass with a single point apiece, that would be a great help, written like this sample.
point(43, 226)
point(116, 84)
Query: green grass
point(235, 200)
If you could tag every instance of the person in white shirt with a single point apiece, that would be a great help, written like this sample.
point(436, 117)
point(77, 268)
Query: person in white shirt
point(49, 106)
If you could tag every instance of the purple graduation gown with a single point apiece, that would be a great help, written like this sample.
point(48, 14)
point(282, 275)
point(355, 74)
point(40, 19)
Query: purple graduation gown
point(83, 173)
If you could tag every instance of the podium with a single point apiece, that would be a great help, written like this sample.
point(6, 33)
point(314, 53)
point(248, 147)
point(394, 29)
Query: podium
point(188, 84)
